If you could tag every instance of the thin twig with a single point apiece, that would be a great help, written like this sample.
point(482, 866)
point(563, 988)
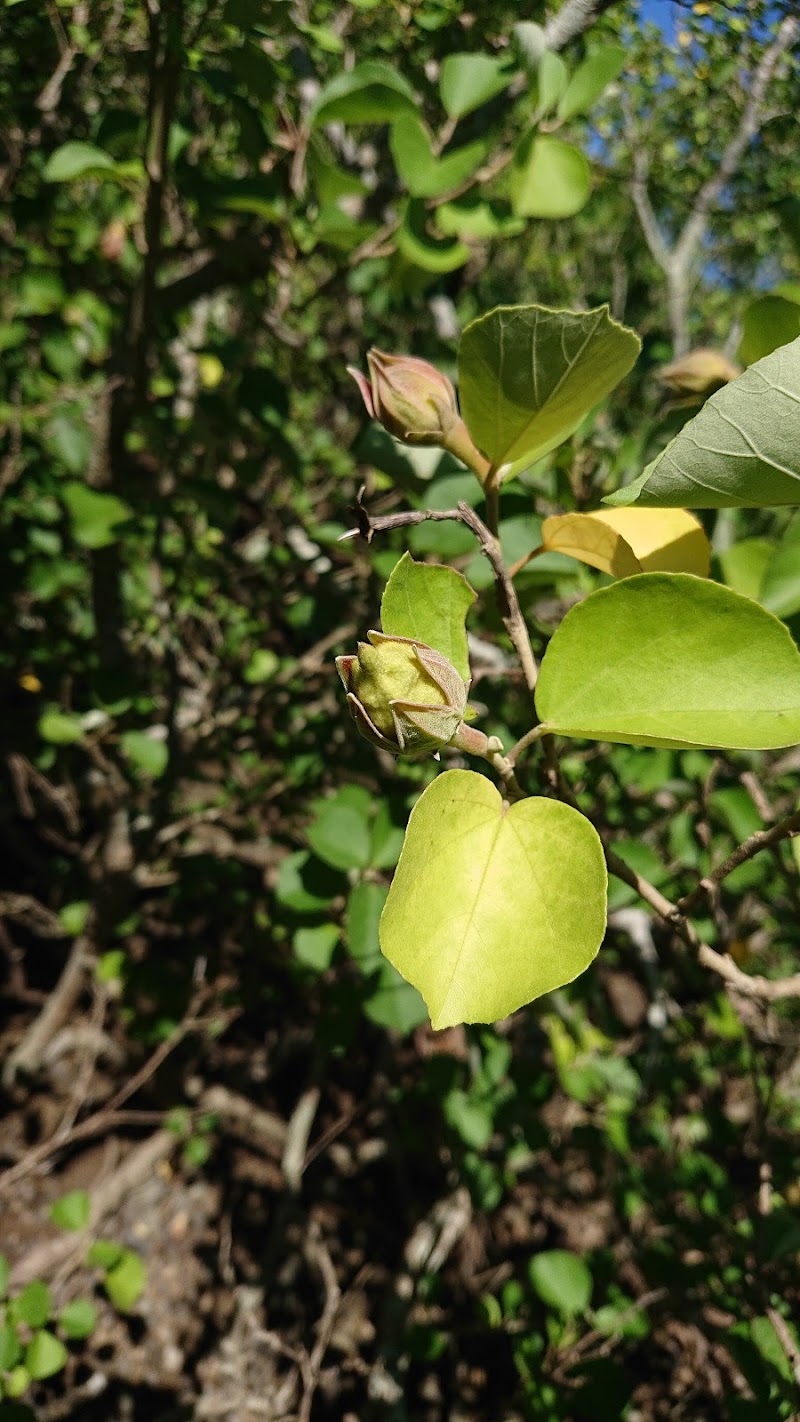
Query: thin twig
point(761, 839)
point(369, 525)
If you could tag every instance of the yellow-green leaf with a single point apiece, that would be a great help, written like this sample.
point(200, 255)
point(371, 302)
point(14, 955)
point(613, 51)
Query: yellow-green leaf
point(628, 541)
point(667, 659)
point(490, 907)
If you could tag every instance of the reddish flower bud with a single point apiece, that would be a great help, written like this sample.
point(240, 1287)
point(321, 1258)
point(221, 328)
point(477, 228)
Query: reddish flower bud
point(416, 404)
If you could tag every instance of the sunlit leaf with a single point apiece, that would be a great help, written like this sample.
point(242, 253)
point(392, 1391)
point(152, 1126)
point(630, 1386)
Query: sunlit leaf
point(742, 450)
point(672, 660)
point(491, 907)
point(528, 375)
point(75, 160)
point(370, 93)
point(590, 79)
point(627, 541)
point(549, 178)
point(430, 603)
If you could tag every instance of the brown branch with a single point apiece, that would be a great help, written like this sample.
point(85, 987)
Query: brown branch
point(165, 56)
point(762, 839)
point(310, 1364)
point(27, 1055)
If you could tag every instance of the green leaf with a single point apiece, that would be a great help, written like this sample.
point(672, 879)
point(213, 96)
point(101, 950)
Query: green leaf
point(339, 833)
point(768, 322)
point(531, 41)
point(10, 1349)
point(370, 93)
point(261, 667)
point(471, 1118)
point(75, 160)
point(590, 79)
point(549, 178)
point(429, 603)
point(562, 1280)
point(148, 755)
point(71, 1211)
point(741, 451)
point(470, 216)
point(491, 908)
point(304, 885)
point(315, 947)
point(744, 565)
point(78, 1318)
point(422, 248)
point(780, 590)
point(60, 728)
point(468, 80)
point(552, 77)
point(104, 1254)
point(528, 376)
point(768, 1343)
point(394, 1003)
point(364, 907)
point(125, 1282)
point(32, 1306)
point(420, 170)
point(5, 1273)
point(45, 1355)
point(95, 517)
point(668, 659)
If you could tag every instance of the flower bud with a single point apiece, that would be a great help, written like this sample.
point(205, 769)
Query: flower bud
point(403, 695)
point(416, 404)
point(700, 372)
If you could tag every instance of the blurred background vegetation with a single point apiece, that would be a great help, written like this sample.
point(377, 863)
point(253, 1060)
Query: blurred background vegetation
point(308, 1204)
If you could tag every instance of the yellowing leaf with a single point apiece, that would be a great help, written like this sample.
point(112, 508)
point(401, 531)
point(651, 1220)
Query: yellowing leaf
point(590, 541)
point(491, 907)
point(619, 542)
point(663, 540)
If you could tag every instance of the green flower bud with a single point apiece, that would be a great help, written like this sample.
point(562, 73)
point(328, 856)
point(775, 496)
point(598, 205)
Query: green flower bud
point(403, 695)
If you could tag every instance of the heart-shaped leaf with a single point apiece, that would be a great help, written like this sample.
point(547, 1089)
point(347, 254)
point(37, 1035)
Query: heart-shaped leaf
point(549, 178)
point(491, 907)
point(667, 659)
point(429, 603)
point(528, 376)
point(741, 451)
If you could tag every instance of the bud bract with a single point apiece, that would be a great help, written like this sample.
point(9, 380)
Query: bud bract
point(403, 695)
